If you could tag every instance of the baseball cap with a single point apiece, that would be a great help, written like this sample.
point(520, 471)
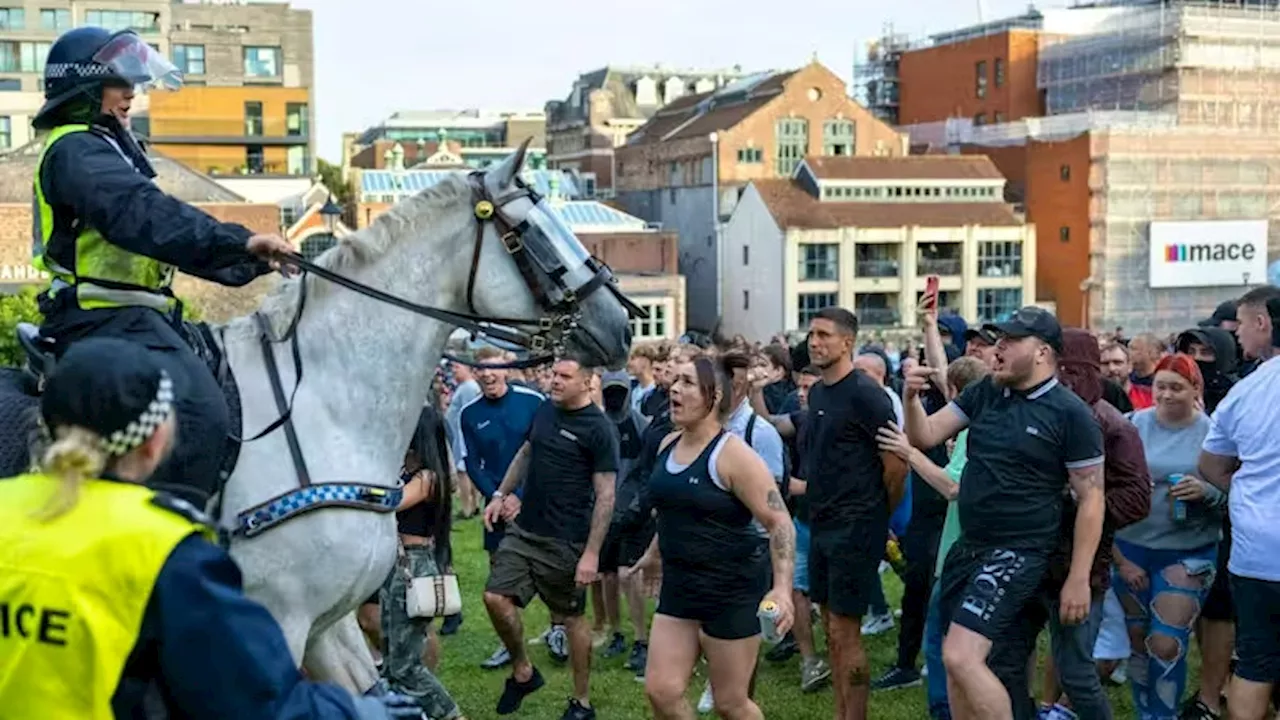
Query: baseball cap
point(615, 378)
point(1225, 312)
point(982, 334)
point(1030, 321)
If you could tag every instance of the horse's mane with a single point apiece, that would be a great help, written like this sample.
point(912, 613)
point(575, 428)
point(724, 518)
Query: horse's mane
point(412, 217)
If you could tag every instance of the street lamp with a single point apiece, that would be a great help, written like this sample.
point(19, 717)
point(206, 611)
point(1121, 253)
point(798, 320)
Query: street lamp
point(330, 212)
point(715, 223)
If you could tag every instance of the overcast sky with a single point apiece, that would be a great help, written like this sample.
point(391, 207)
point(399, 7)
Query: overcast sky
point(374, 57)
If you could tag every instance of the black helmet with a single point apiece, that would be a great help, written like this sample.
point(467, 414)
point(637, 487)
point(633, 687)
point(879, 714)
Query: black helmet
point(84, 60)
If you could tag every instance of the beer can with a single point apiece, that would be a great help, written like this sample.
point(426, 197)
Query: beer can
point(1177, 508)
point(768, 615)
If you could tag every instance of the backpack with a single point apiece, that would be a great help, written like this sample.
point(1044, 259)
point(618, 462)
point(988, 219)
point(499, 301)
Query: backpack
point(785, 486)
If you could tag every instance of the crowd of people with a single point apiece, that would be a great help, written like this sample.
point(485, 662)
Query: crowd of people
point(1018, 477)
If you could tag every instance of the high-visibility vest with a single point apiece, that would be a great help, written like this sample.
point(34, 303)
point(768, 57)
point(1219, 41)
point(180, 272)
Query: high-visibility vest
point(74, 590)
point(102, 275)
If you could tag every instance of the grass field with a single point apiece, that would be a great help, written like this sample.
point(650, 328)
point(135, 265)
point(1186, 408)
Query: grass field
point(616, 694)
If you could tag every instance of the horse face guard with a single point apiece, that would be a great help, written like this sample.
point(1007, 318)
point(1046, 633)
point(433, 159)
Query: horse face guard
point(39, 351)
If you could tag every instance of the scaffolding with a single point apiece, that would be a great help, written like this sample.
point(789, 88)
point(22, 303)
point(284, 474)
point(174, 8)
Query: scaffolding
point(876, 77)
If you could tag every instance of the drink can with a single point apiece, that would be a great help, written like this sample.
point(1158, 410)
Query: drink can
point(768, 615)
point(1177, 508)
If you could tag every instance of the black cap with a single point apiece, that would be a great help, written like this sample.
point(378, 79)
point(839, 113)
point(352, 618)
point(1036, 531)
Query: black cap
point(1225, 312)
point(982, 334)
point(112, 387)
point(1030, 321)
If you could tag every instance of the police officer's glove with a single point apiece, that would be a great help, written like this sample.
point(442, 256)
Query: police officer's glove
point(391, 706)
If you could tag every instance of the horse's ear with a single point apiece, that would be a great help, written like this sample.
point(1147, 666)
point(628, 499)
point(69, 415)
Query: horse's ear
point(506, 171)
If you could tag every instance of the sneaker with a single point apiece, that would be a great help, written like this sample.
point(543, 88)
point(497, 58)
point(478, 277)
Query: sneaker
point(814, 673)
point(896, 679)
point(617, 646)
point(451, 624)
point(639, 657)
point(1057, 712)
point(924, 671)
point(599, 638)
point(558, 644)
point(877, 624)
point(500, 658)
point(783, 651)
point(884, 567)
point(1197, 710)
point(578, 711)
point(514, 692)
point(707, 702)
point(1120, 675)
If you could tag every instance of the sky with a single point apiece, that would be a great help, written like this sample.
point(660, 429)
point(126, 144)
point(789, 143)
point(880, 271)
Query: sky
point(374, 57)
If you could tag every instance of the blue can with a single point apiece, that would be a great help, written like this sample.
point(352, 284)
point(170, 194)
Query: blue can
point(1177, 508)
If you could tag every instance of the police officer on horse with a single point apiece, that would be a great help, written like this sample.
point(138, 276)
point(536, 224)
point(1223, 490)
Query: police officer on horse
point(112, 239)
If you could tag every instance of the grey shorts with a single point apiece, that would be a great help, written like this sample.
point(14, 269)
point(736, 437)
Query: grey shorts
point(526, 565)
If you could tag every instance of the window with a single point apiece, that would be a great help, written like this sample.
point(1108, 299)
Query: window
point(999, 72)
point(837, 137)
point(746, 254)
point(13, 19)
point(875, 260)
point(10, 85)
point(288, 216)
point(655, 326)
point(1064, 234)
point(999, 117)
point(55, 19)
point(1064, 173)
point(297, 123)
point(6, 132)
point(980, 79)
point(750, 155)
point(262, 62)
point(809, 304)
point(27, 57)
point(253, 124)
point(189, 59)
point(997, 304)
point(793, 143)
point(123, 20)
point(254, 160)
point(1000, 259)
point(979, 120)
point(297, 160)
point(819, 261)
point(746, 299)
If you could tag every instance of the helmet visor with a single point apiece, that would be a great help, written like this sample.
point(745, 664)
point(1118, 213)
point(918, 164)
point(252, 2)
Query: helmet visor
point(127, 57)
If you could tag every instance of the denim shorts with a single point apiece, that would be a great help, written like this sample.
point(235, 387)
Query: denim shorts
point(801, 579)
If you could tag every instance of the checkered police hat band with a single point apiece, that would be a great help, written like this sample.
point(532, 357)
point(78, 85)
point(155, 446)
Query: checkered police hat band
point(123, 441)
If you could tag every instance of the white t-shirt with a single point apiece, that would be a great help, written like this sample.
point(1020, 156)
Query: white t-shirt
point(897, 408)
point(1246, 425)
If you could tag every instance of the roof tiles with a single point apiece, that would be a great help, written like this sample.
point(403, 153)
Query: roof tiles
point(791, 206)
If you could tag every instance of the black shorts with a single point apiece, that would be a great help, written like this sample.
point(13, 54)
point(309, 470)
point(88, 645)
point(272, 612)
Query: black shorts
point(624, 549)
point(844, 565)
point(725, 610)
point(526, 565)
point(1257, 629)
point(1218, 604)
point(986, 589)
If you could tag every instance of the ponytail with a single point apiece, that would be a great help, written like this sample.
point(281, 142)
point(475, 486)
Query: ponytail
point(75, 455)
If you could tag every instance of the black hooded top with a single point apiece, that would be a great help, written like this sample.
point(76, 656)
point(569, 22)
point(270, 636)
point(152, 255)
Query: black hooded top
point(1220, 374)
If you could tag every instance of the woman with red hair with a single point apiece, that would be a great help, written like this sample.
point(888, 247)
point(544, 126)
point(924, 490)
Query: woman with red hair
point(1165, 564)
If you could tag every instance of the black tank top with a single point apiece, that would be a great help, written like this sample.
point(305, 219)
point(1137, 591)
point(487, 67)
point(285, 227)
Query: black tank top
point(418, 520)
point(701, 526)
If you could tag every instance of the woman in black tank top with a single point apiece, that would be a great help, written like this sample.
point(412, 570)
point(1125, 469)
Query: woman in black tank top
point(707, 487)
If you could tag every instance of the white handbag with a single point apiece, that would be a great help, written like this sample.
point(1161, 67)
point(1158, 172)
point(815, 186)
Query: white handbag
point(433, 596)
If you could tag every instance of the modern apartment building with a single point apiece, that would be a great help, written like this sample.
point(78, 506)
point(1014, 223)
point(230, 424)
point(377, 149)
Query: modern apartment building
point(421, 139)
point(246, 107)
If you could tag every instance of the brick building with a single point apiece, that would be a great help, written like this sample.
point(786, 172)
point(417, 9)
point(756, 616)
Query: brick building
point(606, 105)
point(699, 151)
point(471, 138)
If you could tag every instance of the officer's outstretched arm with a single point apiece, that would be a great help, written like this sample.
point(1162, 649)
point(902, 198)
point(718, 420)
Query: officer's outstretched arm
point(84, 172)
point(223, 655)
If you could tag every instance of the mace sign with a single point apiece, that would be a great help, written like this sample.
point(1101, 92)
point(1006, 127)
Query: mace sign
point(1208, 253)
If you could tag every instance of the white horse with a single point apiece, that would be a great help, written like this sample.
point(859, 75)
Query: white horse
point(367, 370)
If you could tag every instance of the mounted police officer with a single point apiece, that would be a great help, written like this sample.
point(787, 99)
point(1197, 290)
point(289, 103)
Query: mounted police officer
point(113, 602)
point(112, 240)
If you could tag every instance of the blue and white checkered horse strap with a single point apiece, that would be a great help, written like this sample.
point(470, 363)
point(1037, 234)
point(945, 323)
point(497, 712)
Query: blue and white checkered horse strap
point(257, 520)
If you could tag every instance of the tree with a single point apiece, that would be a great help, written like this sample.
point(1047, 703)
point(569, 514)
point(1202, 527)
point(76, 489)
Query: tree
point(331, 176)
point(16, 308)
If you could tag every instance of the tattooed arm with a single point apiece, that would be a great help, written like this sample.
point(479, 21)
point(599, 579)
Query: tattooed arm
point(602, 513)
point(515, 471)
point(1087, 483)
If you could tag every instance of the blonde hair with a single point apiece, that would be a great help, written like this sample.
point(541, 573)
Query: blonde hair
point(75, 455)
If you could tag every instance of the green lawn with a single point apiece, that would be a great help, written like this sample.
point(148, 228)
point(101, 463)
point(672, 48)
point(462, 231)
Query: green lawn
point(615, 692)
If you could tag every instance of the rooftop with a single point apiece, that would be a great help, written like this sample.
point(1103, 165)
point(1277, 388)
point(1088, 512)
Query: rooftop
point(791, 206)
point(398, 182)
point(620, 81)
point(699, 115)
point(913, 167)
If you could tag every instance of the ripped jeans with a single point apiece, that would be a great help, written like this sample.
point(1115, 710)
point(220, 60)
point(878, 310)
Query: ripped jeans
point(1159, 618)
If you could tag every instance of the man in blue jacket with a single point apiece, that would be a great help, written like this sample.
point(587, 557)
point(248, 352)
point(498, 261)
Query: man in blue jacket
point(494, 426)
point(112, 240)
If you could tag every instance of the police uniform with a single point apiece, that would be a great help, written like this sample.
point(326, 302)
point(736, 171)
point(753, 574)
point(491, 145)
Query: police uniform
point(112, 240)
point(121, 601)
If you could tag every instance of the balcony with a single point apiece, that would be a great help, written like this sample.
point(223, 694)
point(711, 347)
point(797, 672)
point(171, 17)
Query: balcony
point(877, 268)
point(269, 131)
point(878, 316)
point(939, 266)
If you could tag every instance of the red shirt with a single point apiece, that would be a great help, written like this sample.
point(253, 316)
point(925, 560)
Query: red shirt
point(1141, 396)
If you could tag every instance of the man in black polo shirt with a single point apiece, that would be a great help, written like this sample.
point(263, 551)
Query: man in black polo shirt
point(852, 488)
point(553, 549)
point(1029, 437)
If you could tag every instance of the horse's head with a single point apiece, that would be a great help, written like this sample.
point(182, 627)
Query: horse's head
point(528, 264)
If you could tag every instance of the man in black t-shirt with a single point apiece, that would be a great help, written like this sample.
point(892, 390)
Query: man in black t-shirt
point(553, 549)
point(1029, 438)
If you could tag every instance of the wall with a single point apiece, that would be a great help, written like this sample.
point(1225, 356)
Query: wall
point(940, 82)
point(219, 111)
point(687, 212)
point(635, 252)
point(217, 303)
point(762, 277)
point(1053, 204)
